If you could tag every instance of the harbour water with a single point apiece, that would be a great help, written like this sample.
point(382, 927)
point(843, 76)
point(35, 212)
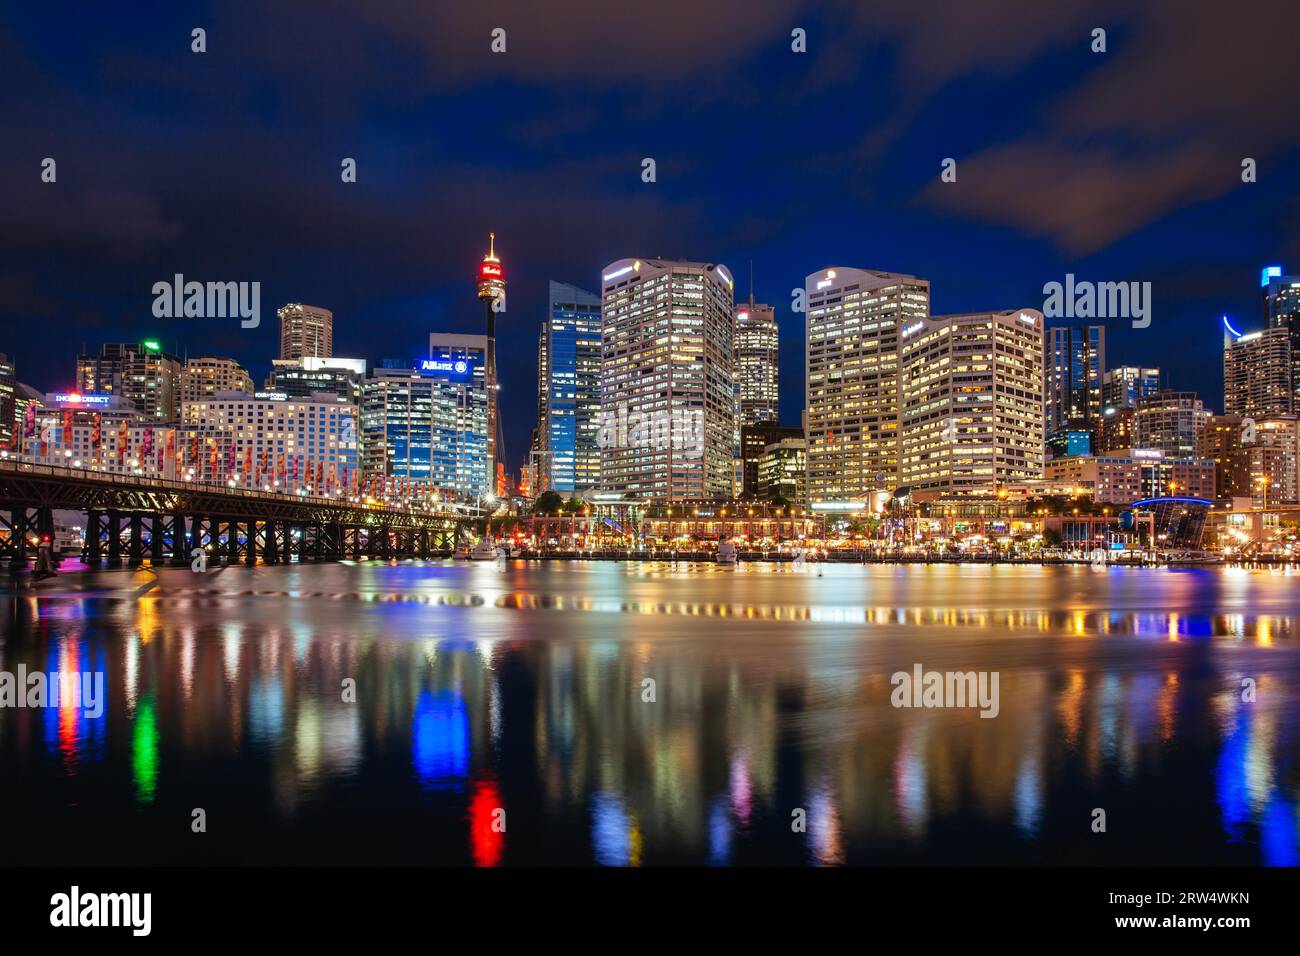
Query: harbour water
point(499, 713)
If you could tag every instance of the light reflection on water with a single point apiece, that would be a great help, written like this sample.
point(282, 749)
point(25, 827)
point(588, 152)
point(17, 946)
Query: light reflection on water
point(499, 715)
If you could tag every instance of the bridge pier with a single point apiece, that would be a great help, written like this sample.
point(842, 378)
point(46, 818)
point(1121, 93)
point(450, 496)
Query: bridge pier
point(250, 546)
point(196, 536)
point(269, 555)
point(180, 557)
point(114, 539)
point(135, 546)
point(156, 540)
point(93, 550)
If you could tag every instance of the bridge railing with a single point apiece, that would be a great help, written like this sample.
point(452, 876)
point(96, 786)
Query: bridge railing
point(18, 466)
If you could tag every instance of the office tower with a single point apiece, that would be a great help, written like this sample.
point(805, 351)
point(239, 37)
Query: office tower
point(1170, 421)
point(1220, 441)
point(1122, 387)
point(425, 421)
point(239, 439)
point(568, 387)
point(8, 388)
point(298, 378)
point(204, 375)
point(1075, 359)
point(851, 385)
point(971, 389)
point(305, 330)
point(667, 381)
point(756, 362)
point(491, 285)
point(142, 373)
point(754, 441)
point(782, 471)
point(1257, 373)
point(1117, 424)
point(1281, 294)
point(1272, 448)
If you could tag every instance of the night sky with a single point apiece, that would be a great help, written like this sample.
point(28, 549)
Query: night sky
point(225, 166)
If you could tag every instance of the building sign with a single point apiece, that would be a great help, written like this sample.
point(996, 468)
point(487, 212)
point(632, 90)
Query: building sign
point(453, 368)
point(74, 398)
point(272, 396)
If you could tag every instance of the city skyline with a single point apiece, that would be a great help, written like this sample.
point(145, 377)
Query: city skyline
point(279, 213)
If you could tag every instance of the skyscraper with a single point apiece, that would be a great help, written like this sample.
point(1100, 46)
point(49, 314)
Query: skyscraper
point(425, 422)
point(1075, 360)
point(667, 405)
point(204, 375)
point(299, 378)
point(1282, 311)
point(305, 330)
point(854, 318)
point(8, 386)
point(756, 362)
point(568, 387)
point(971, 413)
point(139, 372)
point(1122, 387)
point(1257, 373)
point(1171, 422)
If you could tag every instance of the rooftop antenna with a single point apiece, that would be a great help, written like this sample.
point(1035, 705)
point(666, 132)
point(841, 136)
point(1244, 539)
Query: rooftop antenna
point(751, 285)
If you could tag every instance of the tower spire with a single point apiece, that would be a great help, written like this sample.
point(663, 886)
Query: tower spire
point(751, 284)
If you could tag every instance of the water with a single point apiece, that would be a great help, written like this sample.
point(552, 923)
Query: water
point(494, 692)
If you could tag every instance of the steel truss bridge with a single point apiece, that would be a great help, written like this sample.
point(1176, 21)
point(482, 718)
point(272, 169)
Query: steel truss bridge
point(164, 521)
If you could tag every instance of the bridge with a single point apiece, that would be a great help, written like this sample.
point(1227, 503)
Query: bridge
point(165, 521)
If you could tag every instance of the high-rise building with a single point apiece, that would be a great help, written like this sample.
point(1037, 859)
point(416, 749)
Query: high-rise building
point(667, 404)
point(568, 387)
point(1282, 311)
point(1220, 441)
point(1075, 360)
point(298, 378)
point(783, 470)
point(1257, 373)
point(1272, 449)
point(203, 376)
point(8, 387)
point(140, 372)
point(1122, 387)
point(854, 318)
point(268, 442)
point(305, 330)
point(424, 423)
point(1117, 423)
point(754, 441)
point(971, 390)
point(756, 362)
point(1170, 421)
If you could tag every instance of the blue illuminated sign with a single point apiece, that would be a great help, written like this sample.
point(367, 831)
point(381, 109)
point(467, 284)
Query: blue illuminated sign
point(454, 368)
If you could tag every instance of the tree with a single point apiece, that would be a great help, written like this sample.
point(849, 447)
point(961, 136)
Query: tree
point(575, 506)
point(548, 503)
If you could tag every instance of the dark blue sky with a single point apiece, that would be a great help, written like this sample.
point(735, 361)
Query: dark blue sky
point(225, 165)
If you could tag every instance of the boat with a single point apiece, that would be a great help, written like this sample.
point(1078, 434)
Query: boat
point(485, 550)
point(726, 552)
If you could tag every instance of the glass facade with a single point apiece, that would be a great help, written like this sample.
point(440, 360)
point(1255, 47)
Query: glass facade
point(569, 391)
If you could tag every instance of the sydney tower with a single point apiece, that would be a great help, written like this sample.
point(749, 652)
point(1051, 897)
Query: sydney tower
point(492, 291)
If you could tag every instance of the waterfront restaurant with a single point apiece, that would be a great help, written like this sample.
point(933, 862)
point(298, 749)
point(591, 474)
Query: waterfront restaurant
point(623, 523)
